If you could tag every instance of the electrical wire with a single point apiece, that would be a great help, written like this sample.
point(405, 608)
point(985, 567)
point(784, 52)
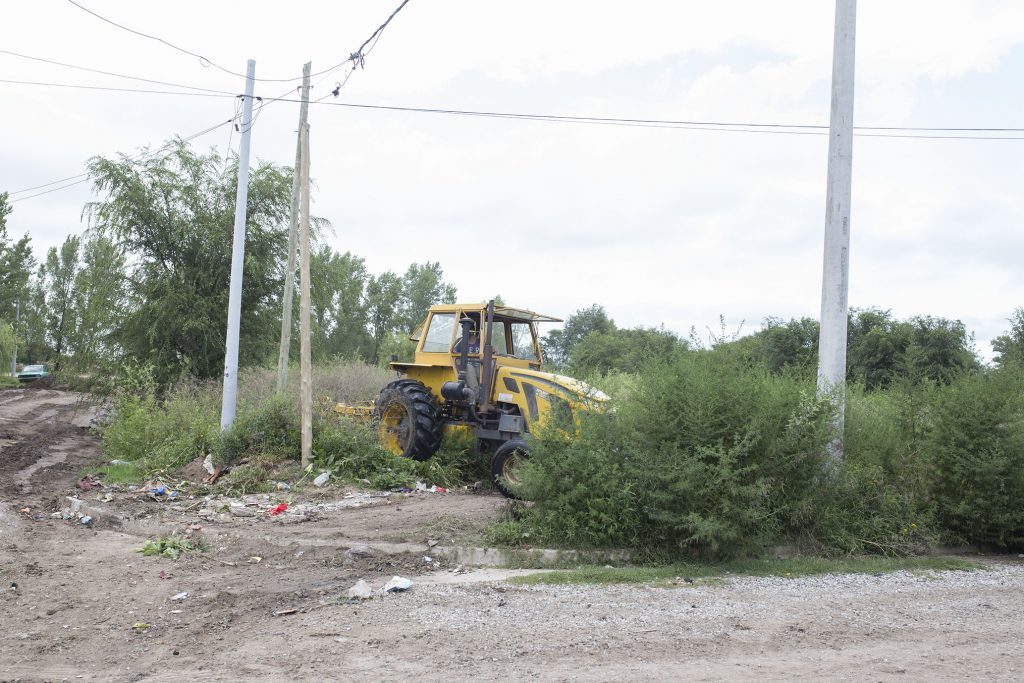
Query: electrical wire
point(83, 177)
point(728, 126)
point(210, 93)
point(207, 62)
point(108, 73)
point(733, 127)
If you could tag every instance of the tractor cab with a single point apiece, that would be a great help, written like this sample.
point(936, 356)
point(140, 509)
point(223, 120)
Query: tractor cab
point(477, 366)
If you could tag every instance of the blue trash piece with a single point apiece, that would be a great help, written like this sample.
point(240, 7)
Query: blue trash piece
point(159, 490)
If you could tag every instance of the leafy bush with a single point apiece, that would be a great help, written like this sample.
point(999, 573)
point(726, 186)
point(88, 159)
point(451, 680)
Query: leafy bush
point(976, 451)
point(707, 456)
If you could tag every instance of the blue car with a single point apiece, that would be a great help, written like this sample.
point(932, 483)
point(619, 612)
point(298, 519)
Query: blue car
point(31, 373)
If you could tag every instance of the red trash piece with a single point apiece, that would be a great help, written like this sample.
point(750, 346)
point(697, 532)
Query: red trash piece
point(279, 509)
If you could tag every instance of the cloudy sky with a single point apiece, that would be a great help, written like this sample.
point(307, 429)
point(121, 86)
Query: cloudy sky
point(661, 225)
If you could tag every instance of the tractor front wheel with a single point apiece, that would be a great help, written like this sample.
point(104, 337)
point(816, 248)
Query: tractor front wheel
point(505, 464)
point(409, 420)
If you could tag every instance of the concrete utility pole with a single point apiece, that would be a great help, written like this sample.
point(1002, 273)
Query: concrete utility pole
point(306, 383)
point(230, 395)
point(289, 278)
point(836, 266)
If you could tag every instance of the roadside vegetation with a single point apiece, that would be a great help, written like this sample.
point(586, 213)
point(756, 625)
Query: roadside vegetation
point(715, 447)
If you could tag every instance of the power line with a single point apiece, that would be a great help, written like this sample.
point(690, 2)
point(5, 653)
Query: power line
point(727, 126)
point(83, 177)
point(733, 127)
point(108, 73)
point(210, 93)
point(205, 61)
point(355, 57)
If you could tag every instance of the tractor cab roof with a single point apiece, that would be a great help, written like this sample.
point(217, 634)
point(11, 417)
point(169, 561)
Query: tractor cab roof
point(480, 308)
point(499, 311)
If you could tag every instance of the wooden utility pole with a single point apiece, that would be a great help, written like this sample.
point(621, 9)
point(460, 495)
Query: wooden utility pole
point(229, 397)
point(289, 277)
point(306, 383)
point(836, 265)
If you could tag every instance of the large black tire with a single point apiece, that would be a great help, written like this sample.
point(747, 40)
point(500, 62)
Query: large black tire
point(504, 465)
point(409, 419)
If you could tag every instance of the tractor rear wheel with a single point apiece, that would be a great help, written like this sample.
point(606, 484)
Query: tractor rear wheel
point(409, 419)
point(505, 464)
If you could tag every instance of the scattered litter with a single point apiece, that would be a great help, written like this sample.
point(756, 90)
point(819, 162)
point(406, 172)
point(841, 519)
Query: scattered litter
point(420, 486)
point(177, 611)
point(14, 586)
point(208, 464)
point(428, 559)
point(459, 570)
point(285, 612)
point(275, 511)
point(282, 486)
point(55, 515)
point(255, 559)
point(88, 482)
point(25, 511)
point(397, 584)
point(106, 498)
point(195, 527)
point(360, 591)
point(179, 596)
point(321, 479)
point(119, 462)
point(85, 521)
point(163, 574)
point(76, 504)
point(141, 627)
point(402, 489)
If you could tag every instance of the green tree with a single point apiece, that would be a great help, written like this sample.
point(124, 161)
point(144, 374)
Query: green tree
point(172, 216)
point(422, 287)
point(61, 269)
point(98, 301)
point(624, 350)
point(32, 324)
point(558, 344)
point(16, 265)
point(383, 293)
point(1009, 347)
point(338, 311)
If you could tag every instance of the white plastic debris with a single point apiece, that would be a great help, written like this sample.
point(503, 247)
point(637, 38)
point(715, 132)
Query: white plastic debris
point(360, 591)
point(321, 478)
point(179, 596)
point(397, 584)
point(208, 463)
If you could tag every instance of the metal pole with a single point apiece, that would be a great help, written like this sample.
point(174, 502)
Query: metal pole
point(230, 396)
point(836, 263)
point(289, 277)
point(305, 364)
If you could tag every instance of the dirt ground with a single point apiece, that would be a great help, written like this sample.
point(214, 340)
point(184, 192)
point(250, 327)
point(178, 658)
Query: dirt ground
point(268, 598)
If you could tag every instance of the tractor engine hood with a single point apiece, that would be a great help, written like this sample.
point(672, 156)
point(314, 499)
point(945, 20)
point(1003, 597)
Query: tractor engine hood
point(567, 387)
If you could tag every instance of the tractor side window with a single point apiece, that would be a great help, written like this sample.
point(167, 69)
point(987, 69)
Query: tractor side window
point(439, 336)
point(498, 338)
point(522, 342)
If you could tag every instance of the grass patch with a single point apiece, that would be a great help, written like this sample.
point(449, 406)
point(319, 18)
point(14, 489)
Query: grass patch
point(171, 546)
point(684, 574)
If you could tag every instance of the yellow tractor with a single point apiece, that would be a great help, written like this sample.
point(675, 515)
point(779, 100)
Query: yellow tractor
point(478, 367)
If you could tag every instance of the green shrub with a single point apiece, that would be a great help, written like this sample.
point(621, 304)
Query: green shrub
point(708, 455)
point(976, 450)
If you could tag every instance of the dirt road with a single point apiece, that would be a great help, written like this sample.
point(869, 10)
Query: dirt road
point(268, 601)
